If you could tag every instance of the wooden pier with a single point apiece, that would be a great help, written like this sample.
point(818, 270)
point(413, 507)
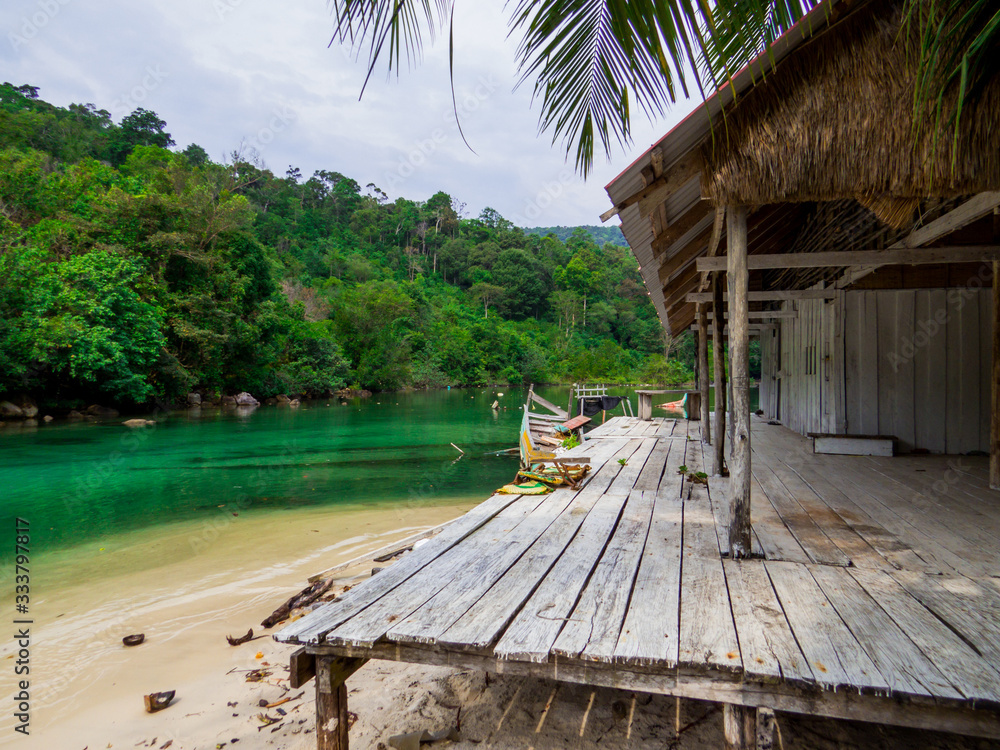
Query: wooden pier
point(873, 593)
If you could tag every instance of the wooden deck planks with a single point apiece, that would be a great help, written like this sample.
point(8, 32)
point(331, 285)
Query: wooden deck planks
point(486, 595)
point(650, 632)
point(969, 609)
point(905, 668)
point(767, 646)
point(516, 527)
point(807, 532)
point(314, 625)
point(954, 657)
point(832, 651)
point(592, 629)
point(629, 571)
point(707, 633)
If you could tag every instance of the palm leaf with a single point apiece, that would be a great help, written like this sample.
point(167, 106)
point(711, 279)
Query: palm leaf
point(592, 61)
point(958, 49)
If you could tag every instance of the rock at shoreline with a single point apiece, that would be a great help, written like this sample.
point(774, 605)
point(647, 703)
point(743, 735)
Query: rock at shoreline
point(74, 415)
point(47, 418)
point(282, 399)
point(30, 411)
point(228, 401)
point(294, 402)
point(245, 399)
point(133, 423)
point(194, 399)
point(7, 409)
point(96, 410)
point(352, 393)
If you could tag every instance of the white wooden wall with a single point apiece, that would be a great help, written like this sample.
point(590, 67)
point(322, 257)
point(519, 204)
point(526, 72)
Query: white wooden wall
point(917, 366)
point(910, 363)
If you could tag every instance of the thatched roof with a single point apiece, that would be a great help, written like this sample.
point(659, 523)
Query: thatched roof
point(835, 120)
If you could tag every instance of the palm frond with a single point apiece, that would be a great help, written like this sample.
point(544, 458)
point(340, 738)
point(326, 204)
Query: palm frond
point(958, 48)
point(388, 27)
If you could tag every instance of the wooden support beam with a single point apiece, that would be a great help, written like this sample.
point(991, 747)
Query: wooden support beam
point(995, 413)
point(672, 180)
point(706, 428)
point(767, 314)
point(718, 357)
point(331, 700)
point(973, 209)
point(774, 296)
point(301, 668)
point(739, 352)
point(739, 724)
point(904, 257)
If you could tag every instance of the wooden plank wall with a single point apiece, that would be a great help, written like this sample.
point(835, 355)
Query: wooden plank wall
point(916, 365)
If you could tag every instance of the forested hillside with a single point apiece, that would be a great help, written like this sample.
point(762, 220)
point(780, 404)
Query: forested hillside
point(130, 272)
point(600, 235)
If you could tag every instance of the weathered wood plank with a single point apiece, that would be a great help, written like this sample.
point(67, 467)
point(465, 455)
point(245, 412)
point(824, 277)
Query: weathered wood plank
point(593, 628)
point(811, 536)
point(964, 667)
point(899, 661)
point(767, 646)
point(972, 611)
point(707, 634)
point(473, 607)
point(833, 653)
point(649, 634)
point(312, 627)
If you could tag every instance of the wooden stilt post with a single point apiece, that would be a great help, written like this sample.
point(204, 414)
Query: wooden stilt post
point(706, 428)
point(718, 320)
point(995, 413)
point(739, 352)
point(739, 725)
point(331, 700)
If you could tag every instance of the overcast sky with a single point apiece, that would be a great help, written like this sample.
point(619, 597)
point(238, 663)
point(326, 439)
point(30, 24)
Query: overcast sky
point(260, 72)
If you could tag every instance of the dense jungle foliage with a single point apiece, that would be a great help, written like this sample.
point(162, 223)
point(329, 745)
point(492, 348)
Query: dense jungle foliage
point(130, 272)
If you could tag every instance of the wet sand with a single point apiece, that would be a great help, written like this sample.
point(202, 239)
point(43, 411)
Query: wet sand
point(186, 587)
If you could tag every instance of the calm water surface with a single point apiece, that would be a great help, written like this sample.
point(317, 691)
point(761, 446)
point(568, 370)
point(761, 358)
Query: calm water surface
point(85, 483)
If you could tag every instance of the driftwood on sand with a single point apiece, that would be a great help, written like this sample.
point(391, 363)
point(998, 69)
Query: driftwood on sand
point(307, 596)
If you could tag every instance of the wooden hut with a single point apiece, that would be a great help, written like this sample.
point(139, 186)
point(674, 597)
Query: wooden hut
point(805, 203)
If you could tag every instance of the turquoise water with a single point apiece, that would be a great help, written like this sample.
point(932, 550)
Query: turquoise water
point(81, 482)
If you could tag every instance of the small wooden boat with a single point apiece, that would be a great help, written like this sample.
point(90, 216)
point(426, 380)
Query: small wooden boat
point(677, 405)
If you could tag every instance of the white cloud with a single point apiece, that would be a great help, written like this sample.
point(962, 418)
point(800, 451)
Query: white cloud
point(230, 70)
